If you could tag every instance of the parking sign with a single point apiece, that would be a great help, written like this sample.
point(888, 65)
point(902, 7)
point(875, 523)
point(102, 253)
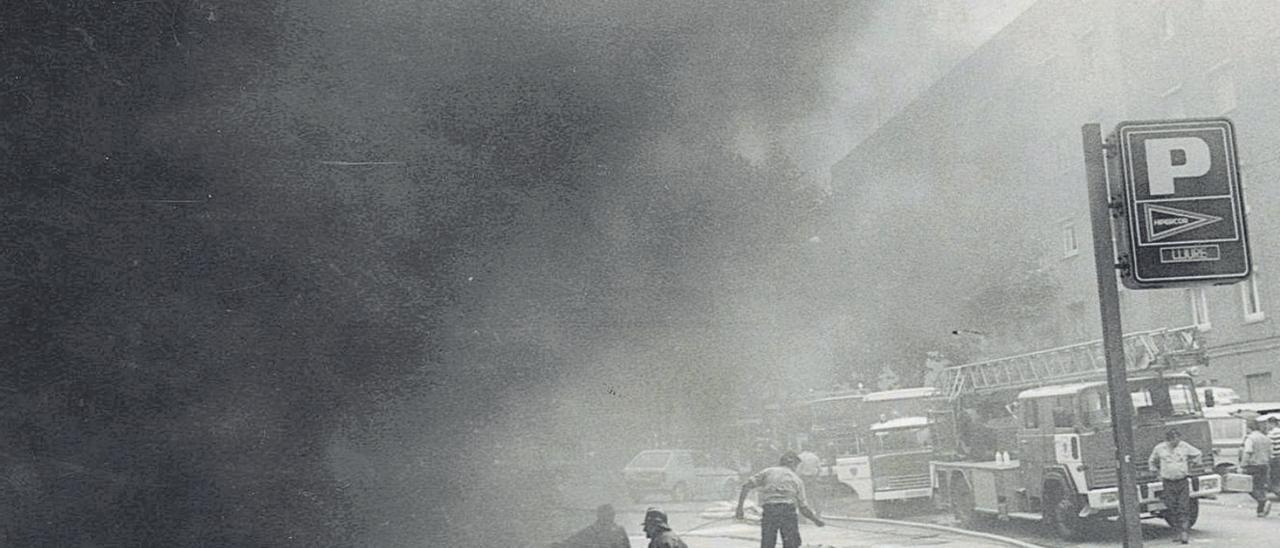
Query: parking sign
point(1185, 222)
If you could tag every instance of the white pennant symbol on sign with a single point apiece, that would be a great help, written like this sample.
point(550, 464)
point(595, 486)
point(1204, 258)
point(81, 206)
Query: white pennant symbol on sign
point(1164, 221)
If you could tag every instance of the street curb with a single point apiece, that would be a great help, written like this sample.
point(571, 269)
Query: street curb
point(943, 528)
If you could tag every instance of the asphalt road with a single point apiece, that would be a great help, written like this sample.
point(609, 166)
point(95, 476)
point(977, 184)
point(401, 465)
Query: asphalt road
point(1228, 521)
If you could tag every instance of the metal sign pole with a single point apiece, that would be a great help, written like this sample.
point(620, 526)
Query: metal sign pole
point(1112, 336)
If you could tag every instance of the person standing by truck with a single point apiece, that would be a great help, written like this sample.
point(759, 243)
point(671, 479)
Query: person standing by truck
point(809, 468)
point(781, 495)
point(1171, 458)
point(1273, 432)
point(1256, 461)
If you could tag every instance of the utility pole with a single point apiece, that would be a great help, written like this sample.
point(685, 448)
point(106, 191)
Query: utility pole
point(1100, 209)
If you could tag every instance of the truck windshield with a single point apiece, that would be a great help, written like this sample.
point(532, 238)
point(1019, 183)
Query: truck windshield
point(1164, 398)
point(835, 426)
point(907, 439)
point(1093, 407)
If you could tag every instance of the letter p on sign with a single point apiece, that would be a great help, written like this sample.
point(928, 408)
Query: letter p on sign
point(1161, 169)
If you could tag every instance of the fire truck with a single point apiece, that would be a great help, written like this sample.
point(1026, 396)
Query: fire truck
point(1030, 436)
point(865, 438)
point(837, 426)
point(899, 447)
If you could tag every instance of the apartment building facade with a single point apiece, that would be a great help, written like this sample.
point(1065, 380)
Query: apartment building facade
point(996, 142)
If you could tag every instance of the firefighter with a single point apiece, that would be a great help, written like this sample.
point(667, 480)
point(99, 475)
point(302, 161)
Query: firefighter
point(659, 533)
point(781, 495)
point(1171, 458)
point(604, 533)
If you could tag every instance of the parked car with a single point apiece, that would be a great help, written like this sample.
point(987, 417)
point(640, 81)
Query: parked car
point(680, 474)
point(1227, 428)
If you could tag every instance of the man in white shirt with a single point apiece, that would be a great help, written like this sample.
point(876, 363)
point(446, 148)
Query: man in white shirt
point(808, 469)
point(1171, 458)
point(1256, 461)
point(1273, 432)
point(781, 495)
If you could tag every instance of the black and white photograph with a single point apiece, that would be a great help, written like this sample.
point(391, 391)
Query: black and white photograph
point(639, 273)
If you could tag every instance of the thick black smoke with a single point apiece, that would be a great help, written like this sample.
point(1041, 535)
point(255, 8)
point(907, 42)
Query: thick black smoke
point(316, 273)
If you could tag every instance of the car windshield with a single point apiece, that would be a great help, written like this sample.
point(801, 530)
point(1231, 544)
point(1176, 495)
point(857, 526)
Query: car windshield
point(906, 439)
point(650, 459)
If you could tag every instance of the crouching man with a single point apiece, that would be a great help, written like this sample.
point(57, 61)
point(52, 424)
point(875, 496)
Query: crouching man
point(781, 496)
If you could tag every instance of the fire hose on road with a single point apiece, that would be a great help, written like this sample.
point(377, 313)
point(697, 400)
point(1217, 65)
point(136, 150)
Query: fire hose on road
point(721, 523)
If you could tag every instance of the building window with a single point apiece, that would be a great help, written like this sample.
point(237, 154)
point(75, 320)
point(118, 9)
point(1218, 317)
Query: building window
point(1199, 308)
point(1070, 244)
point(1258, 386)
point(1249, 298)
point(1224, 89)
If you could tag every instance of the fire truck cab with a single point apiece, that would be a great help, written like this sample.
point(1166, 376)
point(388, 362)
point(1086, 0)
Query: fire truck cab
point(900, 452)
point(899, 447)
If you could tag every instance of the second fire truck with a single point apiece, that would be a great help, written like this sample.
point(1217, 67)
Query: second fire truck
point(1030, 437)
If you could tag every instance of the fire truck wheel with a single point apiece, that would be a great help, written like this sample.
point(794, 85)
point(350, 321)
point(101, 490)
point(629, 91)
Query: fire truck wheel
point(1067, 522)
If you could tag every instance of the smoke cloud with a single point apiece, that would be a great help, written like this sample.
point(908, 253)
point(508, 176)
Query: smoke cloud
point(321, 273)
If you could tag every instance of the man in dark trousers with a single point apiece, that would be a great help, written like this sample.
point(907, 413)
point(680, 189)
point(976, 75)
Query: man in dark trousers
point(604, 533)
point(1171, 458)
point(781, 496)
point(659, 533)
point(1273, 433)
point(1256, 461)
point(809, 468)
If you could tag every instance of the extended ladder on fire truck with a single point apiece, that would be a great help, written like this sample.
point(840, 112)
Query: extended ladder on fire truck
point(1159, 348)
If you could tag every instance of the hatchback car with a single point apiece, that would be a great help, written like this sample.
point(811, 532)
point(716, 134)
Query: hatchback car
point(680, 474)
